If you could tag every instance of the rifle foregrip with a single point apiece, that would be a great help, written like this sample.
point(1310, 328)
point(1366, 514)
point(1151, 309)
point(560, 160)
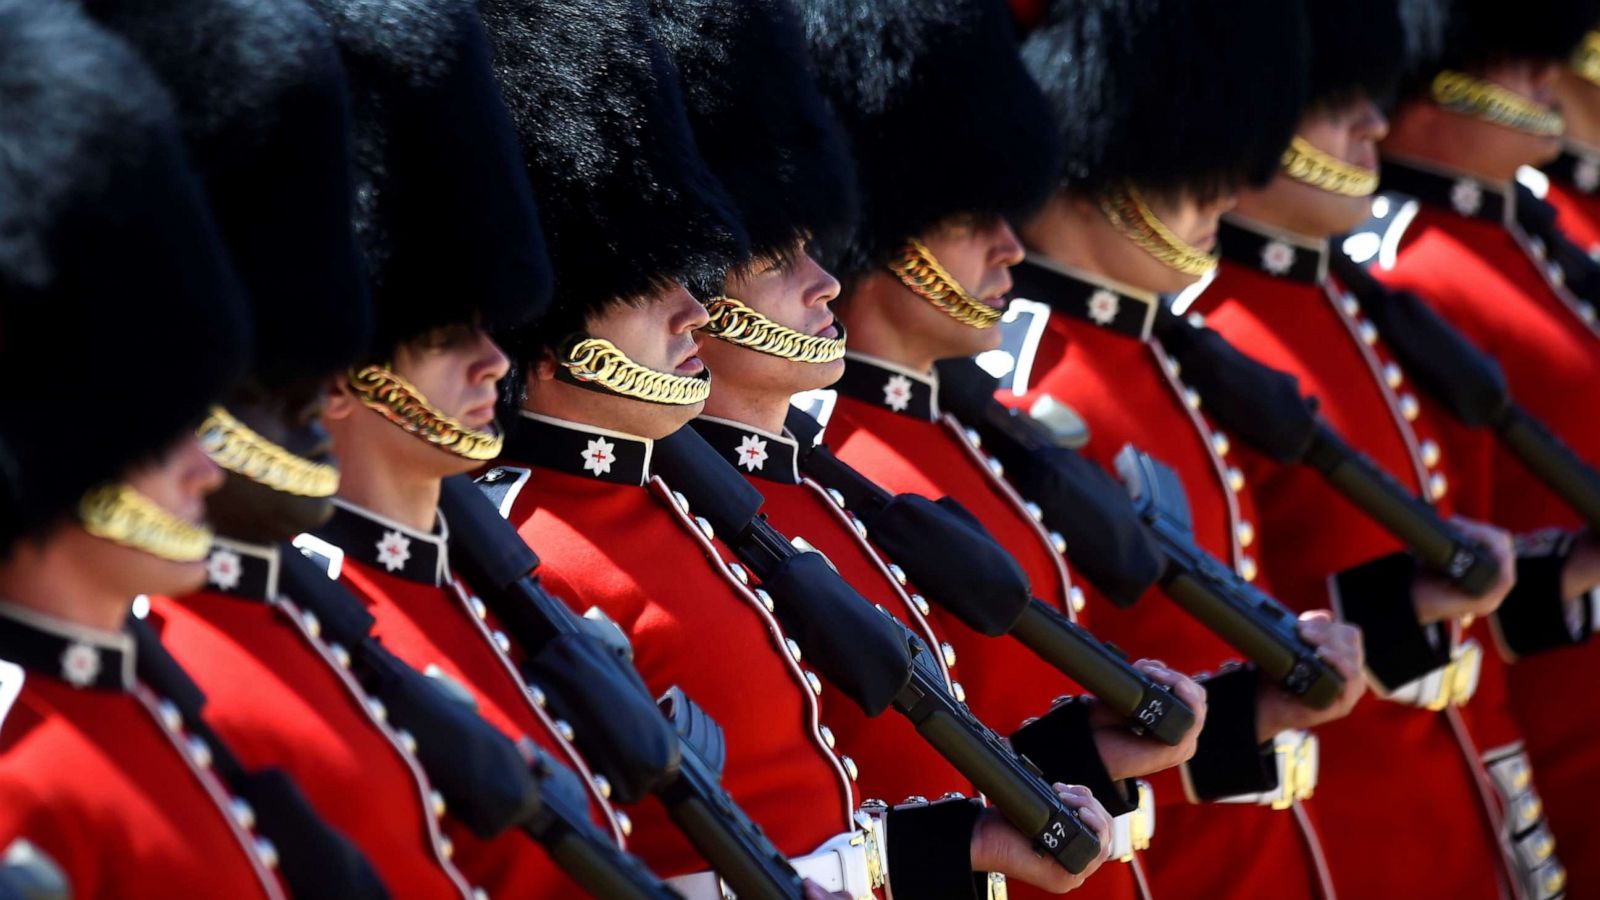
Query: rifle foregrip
point(600, 868)
point(1553, 462)
point(1018, 791)
point(1148, 706)
point(1439, 545)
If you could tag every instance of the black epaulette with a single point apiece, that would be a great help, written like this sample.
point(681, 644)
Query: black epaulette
point(328, 557)
point(502, 485)
point(1021, 332)
point(1378, 238)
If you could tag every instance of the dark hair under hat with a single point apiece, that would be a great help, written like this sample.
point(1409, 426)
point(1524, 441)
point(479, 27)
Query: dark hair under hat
point(443, 211)
point(627, 201)
point(120, 319)
point(1172, 94)
point(761, 123)
point(263, 105)
point(943, 119)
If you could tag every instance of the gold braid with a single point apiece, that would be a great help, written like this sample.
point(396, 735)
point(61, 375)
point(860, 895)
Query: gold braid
point(1465, 95)
point(118, 513)
point(1129, 214)
point(597, 363)
point(736, 323)
point(918, 270)
point(1586, 61)
point(1308, 164)
point(397, 400)
point(237, 447)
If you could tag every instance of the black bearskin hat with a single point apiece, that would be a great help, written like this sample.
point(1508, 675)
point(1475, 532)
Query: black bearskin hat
point(121, 321)
point(761, 123)
point(1359, 48)
point(1172, 94)
point(1478, 33)
point(942, 117)
point(629, 204)
point(443, 211)
point(263, 105)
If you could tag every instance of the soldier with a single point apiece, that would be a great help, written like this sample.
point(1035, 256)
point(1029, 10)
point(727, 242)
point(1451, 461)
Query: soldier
point(270, 82)
point(634, 215)
point(1483, 252)
point(1275, 299)
point(453, 247)
point(1574, 176)
point(925, 279)
point(106, 765)
point(1081, 333)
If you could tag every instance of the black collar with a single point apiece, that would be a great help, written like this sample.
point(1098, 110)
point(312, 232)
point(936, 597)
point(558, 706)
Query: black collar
point(895, 388)
point(775, 457)
point(1577, 167)
point(82, 657)
point(1280, 254)
point(388, 546)
point(1466, 195)
point(586, 451)
point(1113, 306)
point(238, 569)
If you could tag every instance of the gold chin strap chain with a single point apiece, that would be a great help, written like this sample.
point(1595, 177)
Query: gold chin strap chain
point(237, 447)
point(736, 323)
point(597, 363)
point(918, 270)
point(1586, 61)
point(1468, 96)
point(118, 513)
point(1127, 211)
point(1309, 165)
point(400, 402)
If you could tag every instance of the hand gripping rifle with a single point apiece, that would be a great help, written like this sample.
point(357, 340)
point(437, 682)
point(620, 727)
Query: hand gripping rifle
point(675, 753)
point(1062, 480)
point(866, 652)
point(489, 784)
point(1264, 408)
point(959, 566)
point(1247, 618)
point(1470, 385)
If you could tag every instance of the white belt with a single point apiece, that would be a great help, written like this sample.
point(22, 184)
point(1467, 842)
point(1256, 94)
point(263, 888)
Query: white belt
point(1452, 684)
point(1132, 831)
point(1297, 755)
point(844, 862)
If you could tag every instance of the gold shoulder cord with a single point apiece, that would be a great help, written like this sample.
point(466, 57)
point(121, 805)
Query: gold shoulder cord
point(1586, 61)
point(1468, 96)
point(1127, 211)
point(918, 270)
point(597, 363)
point(736, 323)
point(1307, 164)
point(118, 513)
point(237, 447)
point(397, 400)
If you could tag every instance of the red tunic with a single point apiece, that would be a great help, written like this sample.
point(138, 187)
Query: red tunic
point(1430, 763)
point(1575, 193)
point(1123, 385)
point(279, 701)
point(611, 537)
point(896, 763)
point(99, 780)
point(1486, 278)
point(427, 618)
point(887, 425)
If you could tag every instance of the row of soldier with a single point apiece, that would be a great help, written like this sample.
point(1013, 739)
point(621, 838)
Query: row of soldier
point(748, 409)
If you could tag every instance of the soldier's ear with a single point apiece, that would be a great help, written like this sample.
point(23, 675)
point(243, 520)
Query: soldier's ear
point(543, 368)
point(341, 400)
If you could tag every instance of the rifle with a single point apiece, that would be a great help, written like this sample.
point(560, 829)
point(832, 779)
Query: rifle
point(1265, 409)
point(867, 653)
point(622, 731)
point(1471, 386)
point(988, 590)
point(1247, 618)
point(488, 782)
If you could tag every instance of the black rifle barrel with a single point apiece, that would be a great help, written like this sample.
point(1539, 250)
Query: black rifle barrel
point(1552, 461)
